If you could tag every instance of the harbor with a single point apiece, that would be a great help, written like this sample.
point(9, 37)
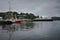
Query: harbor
point(29, 19)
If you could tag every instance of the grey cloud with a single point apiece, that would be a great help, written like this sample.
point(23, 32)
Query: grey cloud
point(38, 7)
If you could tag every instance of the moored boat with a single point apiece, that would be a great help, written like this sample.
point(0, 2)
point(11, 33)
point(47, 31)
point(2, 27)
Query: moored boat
point(44, 20)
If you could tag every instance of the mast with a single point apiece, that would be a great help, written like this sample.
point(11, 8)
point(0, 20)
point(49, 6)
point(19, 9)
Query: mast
point(10, 14)
point(9, 2)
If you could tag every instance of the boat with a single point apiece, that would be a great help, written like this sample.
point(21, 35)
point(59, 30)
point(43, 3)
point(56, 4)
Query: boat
point(17, 21)
point(11, 21)
point(44, 20)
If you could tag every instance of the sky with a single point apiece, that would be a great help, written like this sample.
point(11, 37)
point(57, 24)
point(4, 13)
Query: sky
point(37, 7)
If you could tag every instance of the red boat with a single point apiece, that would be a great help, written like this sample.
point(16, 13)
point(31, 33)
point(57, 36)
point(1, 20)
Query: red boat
point(17, 21)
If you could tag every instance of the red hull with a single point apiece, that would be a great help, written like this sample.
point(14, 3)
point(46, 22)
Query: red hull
point(17, 22)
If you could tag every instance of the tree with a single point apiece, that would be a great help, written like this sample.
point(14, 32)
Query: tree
point(22, 13)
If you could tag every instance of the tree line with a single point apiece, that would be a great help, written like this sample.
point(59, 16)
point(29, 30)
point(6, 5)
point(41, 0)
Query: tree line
point(17, 15)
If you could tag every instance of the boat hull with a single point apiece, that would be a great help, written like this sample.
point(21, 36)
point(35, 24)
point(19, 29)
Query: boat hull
point(44, 20)
point(8, 22)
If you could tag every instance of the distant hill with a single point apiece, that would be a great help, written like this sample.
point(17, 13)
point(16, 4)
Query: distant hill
point(55, 18)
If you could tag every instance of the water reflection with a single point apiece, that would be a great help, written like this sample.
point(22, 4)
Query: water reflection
point(8, 27)
point(27, 25)
point(16, 27)
point(13, 28)
point(31, 30)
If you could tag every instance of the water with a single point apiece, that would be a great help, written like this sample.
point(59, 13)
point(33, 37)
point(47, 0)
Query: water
point(31, 31)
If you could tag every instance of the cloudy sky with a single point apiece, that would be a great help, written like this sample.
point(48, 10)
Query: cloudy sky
point(37, 7)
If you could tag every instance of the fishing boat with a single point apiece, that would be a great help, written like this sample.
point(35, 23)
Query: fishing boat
point(11, 20)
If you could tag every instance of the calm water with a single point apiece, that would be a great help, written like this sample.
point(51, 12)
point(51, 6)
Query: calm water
point(31, 31)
